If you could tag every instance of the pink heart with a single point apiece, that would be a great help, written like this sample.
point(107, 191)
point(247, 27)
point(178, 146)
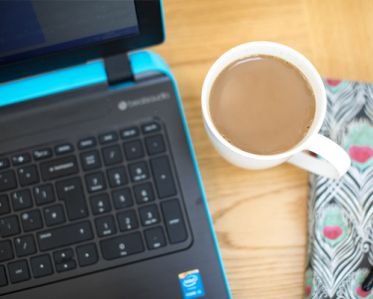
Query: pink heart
point(308, 290)
point(333, 82)
point(361, 292)
point(332, 232)
point(361, 154)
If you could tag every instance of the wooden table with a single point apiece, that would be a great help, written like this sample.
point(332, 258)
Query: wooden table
point(260, 217)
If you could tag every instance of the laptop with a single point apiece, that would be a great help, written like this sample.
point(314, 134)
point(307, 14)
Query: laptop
point(100, 195)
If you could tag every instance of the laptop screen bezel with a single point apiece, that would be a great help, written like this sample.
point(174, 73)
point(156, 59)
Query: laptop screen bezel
point(151, 32)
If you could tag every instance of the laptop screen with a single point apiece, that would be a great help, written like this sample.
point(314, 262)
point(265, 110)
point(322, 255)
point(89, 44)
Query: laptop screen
point(31, 28)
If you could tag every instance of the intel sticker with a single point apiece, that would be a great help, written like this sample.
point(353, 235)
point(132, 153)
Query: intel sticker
point(191, 284)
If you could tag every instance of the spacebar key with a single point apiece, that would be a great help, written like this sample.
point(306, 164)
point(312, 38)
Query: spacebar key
point(66, 235)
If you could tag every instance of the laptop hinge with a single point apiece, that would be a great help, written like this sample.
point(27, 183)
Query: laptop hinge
point(118, 69)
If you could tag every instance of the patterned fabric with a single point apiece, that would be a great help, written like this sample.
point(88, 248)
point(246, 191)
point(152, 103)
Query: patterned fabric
point(340, 249)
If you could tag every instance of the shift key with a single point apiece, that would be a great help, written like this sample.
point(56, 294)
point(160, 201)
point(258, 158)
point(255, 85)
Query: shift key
point(66, 235)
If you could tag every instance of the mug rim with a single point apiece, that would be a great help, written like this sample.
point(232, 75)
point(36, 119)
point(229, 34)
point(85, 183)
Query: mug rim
point(233, 55)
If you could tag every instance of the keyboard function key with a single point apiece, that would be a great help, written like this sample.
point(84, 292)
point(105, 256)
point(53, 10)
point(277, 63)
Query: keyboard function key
point(143, 193)
point(133, 150)
point(155, 238)
point(150, 127)
point(87, 254)
point(24, 245)
point(4, 163)
point(63, 149)
point(100, 204)
point(127, 220)
point(7, 180)
point(155, 145)
point(90, 160)
point(54, 215)
point(4, 204)
point(44, 194)
point(41, 266)
point(31, 220)
point(173, 218)
point(105, 226)
point(112, 155)
point(41, 154)
point(130, 133)
point(21, 200)
point(3, 278)
point(18, 271)
point(6, 251)
point(108, 137)
point(122, 198)
point(9, 226)
point(21, 159)
point(28, 175)
point(138, 172)
point(87, 143)
point(149, 215)
point(117, 177)
point(122, 246)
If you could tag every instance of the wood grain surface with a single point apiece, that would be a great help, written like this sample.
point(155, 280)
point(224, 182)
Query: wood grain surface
point(260, 217)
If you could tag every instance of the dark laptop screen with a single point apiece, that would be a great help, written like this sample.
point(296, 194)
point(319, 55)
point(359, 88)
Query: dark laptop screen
point(30, 28)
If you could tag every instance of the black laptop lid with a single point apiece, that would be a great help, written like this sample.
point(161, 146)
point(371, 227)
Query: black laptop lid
point(38, 35)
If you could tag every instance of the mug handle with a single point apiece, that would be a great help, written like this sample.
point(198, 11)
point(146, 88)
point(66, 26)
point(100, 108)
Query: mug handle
point(334, 164)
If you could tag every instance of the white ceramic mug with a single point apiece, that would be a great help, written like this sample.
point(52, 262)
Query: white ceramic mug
point(334, 163)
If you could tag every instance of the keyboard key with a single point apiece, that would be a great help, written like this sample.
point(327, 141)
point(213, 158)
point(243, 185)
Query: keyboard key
point(155, 238)
point(173, 218)
point(122, 198)
point(59, 168)
point(149, 215)
point(100, 204)
point(112, 155)
point(3, 279)
point(117, 177)
point(129, 133)
point(127, 220)
point(63, 256)
point(20, 159)
point(63, 149)
point(7, 180)
point(54, 215)
point(71, 192)
point(44, 194)
point(105, 226)
point(121, 246)
point(143, 193)
point(65, 235)
point(24, 245)
point(4, 163)
point(87, 255)
point(67, 266)
point(4, 204)
point(31, 220)
point(162, 173)
point(9, 226)
point(21, 200)
point(138, 171)
point(90, 160)
point(41, 266)
point(87, 143)
point(108, 137)
point(18, 271)
point(151, 127)
point(6, 251)
point(95, 182)
point(28, 175)
point(41, 154)
point(155, 145)
point(133, 150)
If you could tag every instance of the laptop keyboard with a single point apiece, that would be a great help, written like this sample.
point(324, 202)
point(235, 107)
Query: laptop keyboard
point(85, 204)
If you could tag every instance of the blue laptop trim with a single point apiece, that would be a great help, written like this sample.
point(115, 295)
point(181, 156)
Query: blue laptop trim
point(94, 73)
